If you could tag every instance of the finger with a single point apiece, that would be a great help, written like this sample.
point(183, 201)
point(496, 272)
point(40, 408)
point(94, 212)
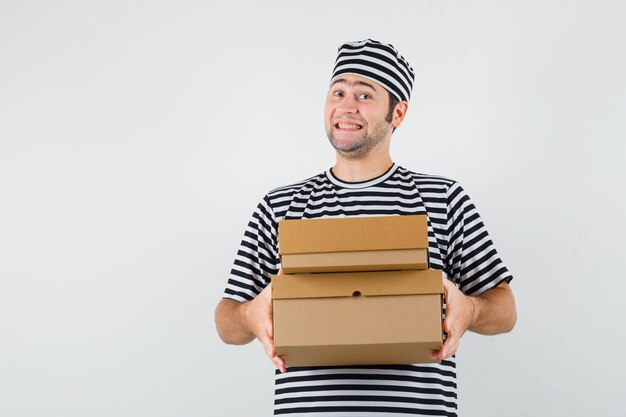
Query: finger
point(440, 354)
point(276, 360)
point(449, 289)
point(268, 345)
point(449, 345)
point(446, 286)
point(268, 324)
point(280, 271)
point(453, 350)
point(450, 351)
point(280, 364)
point(434, 354)
point(269, 327)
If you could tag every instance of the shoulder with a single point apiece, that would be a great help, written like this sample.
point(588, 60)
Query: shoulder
point(426, 179)
point(429, 182)
point(295, 187)
point(282, 196)
point(439, 192)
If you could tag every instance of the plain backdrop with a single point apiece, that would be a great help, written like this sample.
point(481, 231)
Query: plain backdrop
point(136, 138)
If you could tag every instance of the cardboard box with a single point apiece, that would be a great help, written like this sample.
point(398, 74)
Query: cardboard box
point(353, 244)
point(357, 318)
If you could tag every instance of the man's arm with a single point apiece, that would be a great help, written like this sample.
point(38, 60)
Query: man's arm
point(490, 313)
point(494, 311)
point(231, 324)
point(239, 323)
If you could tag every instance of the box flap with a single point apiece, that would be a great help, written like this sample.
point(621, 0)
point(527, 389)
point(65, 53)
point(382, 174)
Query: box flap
point(375, 354)
point(349, 284)
point(378, 260)
point(352, 234)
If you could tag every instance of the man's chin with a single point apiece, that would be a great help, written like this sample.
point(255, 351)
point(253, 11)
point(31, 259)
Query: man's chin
point(347, 146)
point(353, 154)
point(350, 150)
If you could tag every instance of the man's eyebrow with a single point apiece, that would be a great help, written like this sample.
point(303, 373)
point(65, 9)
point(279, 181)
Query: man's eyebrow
point(341, 80)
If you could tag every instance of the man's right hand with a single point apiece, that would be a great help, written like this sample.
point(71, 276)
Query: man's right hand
point(257, 315)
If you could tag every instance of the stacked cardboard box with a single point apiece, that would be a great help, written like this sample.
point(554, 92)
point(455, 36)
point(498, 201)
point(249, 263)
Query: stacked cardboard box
point(357, 291)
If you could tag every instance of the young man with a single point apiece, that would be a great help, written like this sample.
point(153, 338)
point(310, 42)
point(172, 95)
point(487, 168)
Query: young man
point(367, 100)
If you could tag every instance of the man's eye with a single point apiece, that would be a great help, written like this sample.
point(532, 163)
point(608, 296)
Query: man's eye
point(337, 94)
point(364, 96)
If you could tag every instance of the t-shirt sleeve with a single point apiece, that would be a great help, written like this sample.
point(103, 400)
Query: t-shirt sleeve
point(471, 260)
point(257, 257)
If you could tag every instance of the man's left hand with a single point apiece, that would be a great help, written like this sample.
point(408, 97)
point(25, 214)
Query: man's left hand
point(460, 313)
point(492, 312)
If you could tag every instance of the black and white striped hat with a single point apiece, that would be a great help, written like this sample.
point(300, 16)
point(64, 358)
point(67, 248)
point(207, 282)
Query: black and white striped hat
point(380, 62)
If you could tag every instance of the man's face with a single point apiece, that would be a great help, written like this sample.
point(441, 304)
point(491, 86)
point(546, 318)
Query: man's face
point(354, 115)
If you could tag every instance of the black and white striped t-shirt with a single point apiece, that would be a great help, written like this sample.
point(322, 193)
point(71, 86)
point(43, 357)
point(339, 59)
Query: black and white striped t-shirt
point(458, 243)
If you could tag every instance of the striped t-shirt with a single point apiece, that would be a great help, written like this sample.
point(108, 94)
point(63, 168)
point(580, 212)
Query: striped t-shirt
point(458, 243)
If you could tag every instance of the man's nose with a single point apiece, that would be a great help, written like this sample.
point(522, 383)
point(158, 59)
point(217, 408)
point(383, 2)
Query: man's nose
point(348, 105)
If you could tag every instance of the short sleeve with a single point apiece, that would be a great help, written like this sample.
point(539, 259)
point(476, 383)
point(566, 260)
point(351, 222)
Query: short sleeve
point(471, 259)
point(257, 257)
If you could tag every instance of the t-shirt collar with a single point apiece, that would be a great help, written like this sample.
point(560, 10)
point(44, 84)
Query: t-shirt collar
point(361, 184)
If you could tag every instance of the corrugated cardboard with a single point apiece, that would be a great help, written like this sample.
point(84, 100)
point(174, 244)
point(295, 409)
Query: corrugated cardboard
point(357, 318)
point(353, 244)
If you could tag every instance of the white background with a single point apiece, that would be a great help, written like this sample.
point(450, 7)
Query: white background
point(136, 138)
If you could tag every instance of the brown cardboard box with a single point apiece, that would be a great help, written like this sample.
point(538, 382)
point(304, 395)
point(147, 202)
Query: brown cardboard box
point(353, 244)
point(357, 318)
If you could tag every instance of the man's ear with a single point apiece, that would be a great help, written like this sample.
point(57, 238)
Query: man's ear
point(399, 112)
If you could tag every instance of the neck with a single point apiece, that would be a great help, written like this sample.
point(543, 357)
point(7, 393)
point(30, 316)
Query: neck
point(369, 166)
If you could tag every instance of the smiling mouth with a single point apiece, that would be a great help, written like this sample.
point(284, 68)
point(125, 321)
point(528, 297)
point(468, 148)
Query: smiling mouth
point(347, 126)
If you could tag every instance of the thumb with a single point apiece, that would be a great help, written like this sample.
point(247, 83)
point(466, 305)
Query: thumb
point(447, 324)
point(269, 327)
point(447, 285)
point(268, 346)
point(269, 318)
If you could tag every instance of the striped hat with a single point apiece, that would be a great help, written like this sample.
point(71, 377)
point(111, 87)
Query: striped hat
point(380, 62)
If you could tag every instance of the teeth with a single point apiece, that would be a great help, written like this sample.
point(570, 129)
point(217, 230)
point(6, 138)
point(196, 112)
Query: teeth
point(346, 126)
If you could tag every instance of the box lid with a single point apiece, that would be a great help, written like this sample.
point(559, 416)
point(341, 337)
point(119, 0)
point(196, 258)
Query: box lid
point(352, 234)
point(349, 284)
